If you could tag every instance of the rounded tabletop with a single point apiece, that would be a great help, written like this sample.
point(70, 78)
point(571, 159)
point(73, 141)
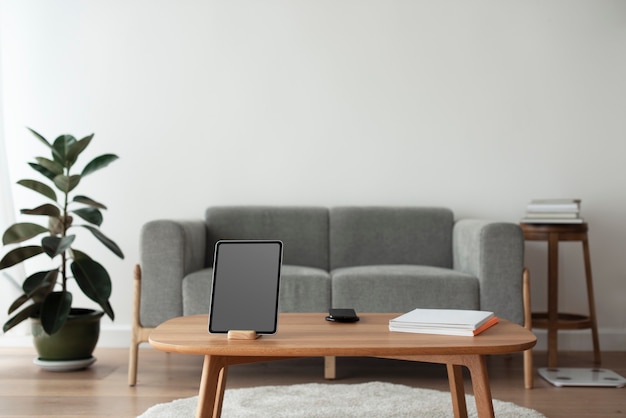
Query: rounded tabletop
point(310, 335)
point(564, 232)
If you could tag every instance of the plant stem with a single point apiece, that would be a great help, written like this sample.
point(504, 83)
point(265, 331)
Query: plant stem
point(63, 234)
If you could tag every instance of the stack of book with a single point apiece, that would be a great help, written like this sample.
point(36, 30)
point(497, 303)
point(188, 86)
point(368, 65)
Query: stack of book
point(444, 322)
point(553, 211)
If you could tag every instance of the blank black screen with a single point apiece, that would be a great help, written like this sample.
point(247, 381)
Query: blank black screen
point(246, 280)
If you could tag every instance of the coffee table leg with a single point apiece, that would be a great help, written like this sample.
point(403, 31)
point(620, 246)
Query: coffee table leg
point(457, 390)
point(212, 386)
point(477, 366)
point(480, 383)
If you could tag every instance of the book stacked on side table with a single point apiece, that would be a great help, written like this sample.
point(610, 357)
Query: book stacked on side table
point(444, 321)
point(553, 211)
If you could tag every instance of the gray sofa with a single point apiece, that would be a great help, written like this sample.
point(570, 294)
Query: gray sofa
point(372, 259)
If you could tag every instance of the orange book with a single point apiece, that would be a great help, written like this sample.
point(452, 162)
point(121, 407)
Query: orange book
point(491, 322)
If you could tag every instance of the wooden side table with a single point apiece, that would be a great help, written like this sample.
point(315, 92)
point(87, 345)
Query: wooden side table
point(553, 320)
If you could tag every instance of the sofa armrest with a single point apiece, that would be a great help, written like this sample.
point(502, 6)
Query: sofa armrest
point(493, 252)
point(169, 250)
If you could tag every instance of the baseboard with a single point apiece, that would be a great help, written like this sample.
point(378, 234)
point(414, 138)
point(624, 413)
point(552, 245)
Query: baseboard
point(111, 335)
point(114, 335)
point(611, 339)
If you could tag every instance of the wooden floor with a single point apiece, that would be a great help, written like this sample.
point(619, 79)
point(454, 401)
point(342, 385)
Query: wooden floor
point(102, 390)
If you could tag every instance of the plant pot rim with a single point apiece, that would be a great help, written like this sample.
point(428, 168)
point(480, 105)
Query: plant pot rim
point(82, 312)
point(78, 313)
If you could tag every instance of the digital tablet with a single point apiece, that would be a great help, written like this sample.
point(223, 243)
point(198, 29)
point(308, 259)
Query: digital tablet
point(245, 286)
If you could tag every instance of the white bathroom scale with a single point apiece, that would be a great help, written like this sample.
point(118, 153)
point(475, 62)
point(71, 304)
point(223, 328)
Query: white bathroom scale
point(569, 376)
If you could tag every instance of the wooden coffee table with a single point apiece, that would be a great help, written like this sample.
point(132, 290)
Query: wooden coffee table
point(309, 335)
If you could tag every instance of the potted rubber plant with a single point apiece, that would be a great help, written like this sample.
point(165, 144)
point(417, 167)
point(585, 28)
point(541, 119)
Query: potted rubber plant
point(59, 329)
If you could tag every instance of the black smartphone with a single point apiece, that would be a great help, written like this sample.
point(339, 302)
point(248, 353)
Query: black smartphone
point(342, 315)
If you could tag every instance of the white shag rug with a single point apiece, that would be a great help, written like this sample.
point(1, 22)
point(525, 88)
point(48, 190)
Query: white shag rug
point(313, 400)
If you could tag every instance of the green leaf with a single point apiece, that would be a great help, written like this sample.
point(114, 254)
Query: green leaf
point(62, 147)
point(66, 183)
point(54, 246)
point(21, 232)
point(39, 187)
point(41, 138)
point(98, 163)
point(54, 311)
point(43, 170)
point(91, 215)
point(34, 281)
point(105, 240)
point(36, 287)
point(76, 254)
point(55, 154)
point(18, 302)
point(37, 280)
point(47, 210)
point(94, 281)
point(19, 254)
point(50, 165)
point(108, 309)
point(92, 278)
point(77, 148)
point(27, 312)
point(88, 201)
point(39, 294)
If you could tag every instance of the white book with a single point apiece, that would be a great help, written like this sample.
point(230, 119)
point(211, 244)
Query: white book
point(442, 319)
point(554, 205)
point(548, 215)
point(446, 331)
point(552, 220)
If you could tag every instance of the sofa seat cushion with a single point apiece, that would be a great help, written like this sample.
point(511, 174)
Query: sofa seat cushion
point(302, 289)
point(401, 288)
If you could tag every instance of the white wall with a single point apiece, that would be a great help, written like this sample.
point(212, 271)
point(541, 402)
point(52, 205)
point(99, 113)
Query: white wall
point(479, 106)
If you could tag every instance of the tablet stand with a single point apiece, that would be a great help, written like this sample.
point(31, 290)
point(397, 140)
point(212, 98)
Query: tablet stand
point(235, 334)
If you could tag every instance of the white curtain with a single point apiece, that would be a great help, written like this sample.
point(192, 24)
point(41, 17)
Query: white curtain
point(8, 289)
point(8, 279)
point(7, 216)
point(6, 200)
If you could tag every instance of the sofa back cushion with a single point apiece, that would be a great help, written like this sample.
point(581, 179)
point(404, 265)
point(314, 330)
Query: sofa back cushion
point(390, 235)
point(303, 230)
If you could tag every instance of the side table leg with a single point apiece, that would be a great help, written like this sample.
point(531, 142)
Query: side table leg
point(592, 304)
point(457, 390)
point(212, 385)
point(553, 298)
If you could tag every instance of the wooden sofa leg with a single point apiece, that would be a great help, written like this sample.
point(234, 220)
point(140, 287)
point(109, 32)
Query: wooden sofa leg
point(139, 334)
point(330, 371)
point(132, 362)
point(528, 354)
